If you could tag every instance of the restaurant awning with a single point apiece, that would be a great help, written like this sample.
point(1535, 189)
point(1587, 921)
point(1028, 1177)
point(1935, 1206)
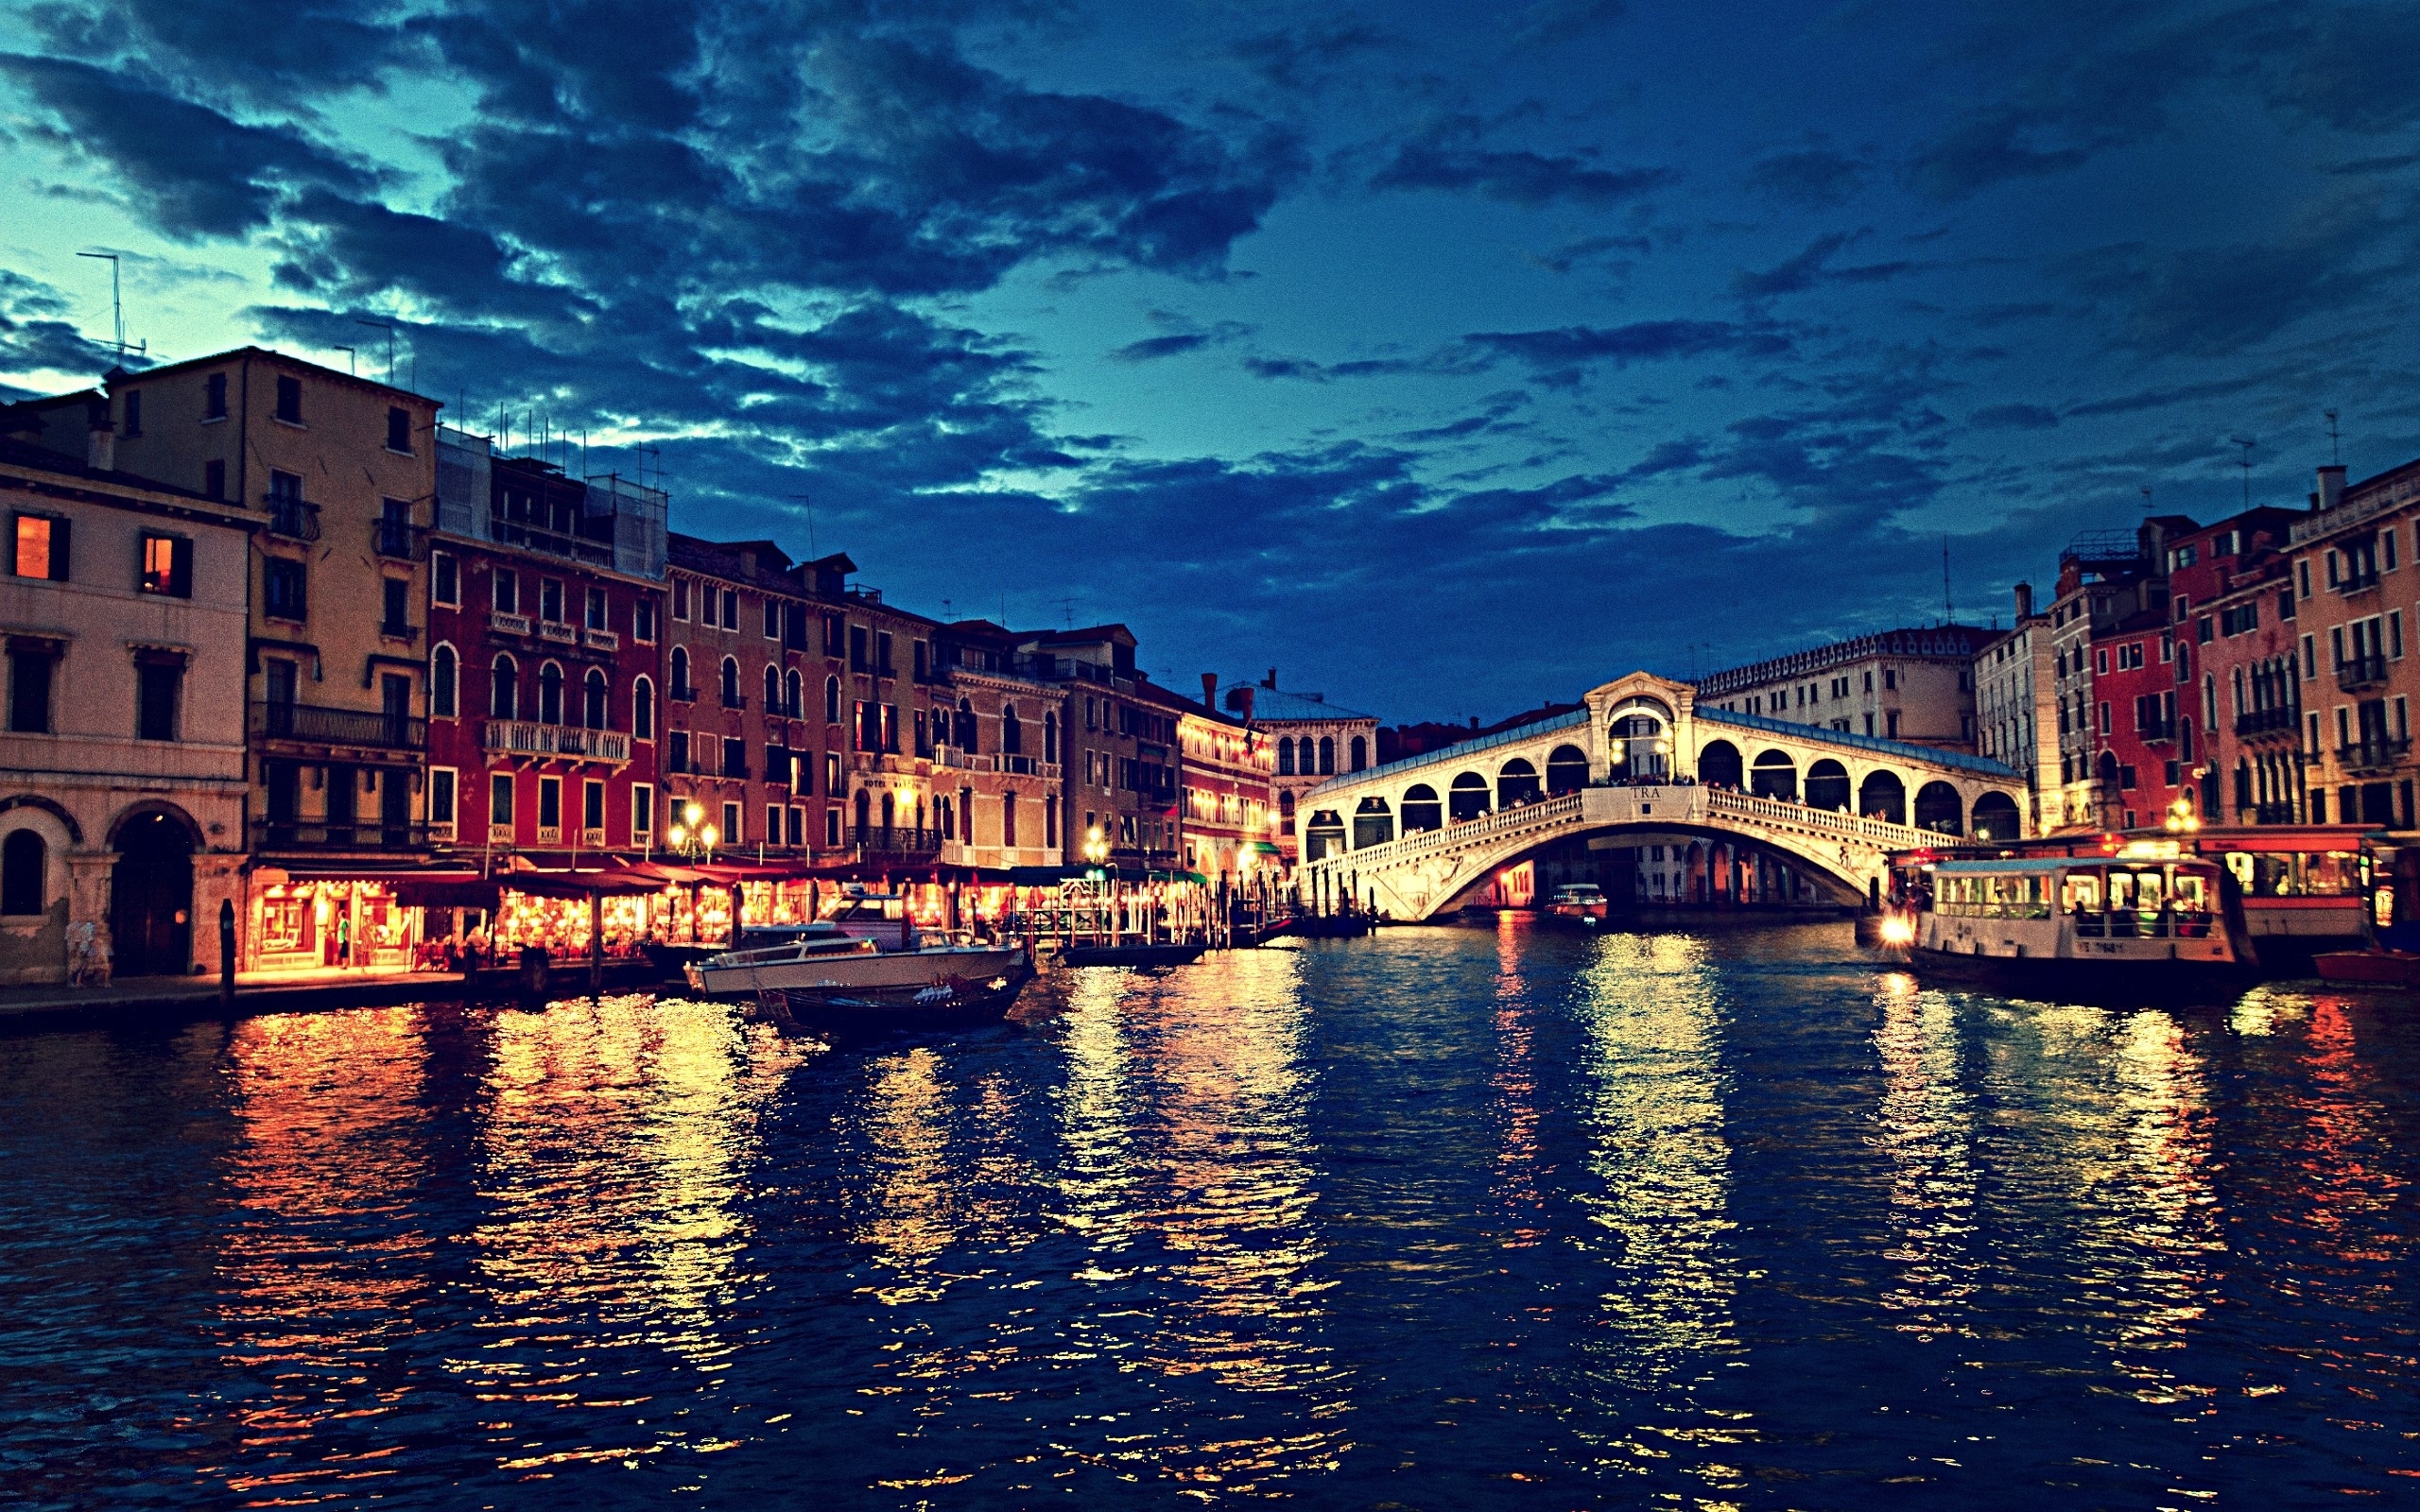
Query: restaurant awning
point(446, 889)
point(613, 883)
point(1043, 876)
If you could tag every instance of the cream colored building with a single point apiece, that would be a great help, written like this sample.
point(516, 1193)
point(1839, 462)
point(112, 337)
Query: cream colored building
point(122, 745)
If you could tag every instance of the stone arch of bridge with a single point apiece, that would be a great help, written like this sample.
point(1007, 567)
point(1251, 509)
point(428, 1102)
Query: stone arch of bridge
point(1836, 883)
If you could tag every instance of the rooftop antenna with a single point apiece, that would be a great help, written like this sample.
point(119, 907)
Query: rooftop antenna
point(381, 325)
point(349, 365)
point(807, 501)
point(117, 307)
point(1948, 611)
point(2247, 443)
point(2147, 498)
point(2334, 456)
point(1066, 614)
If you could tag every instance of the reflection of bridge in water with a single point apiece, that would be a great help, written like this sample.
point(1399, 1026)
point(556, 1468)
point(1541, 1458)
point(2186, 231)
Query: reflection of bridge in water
point(1761, 808)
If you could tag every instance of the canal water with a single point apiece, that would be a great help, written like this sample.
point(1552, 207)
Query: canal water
point(1445, 1218)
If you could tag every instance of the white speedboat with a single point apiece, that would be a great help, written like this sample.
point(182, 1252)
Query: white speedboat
point(866, 944)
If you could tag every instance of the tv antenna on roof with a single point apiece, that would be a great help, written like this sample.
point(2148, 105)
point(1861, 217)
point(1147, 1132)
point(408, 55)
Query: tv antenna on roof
point(2334, 456)
point(117, 308)
point(1066, 614)
point(2247, 443)
point(1949, 611)
point(348, 361)
point(807, 501)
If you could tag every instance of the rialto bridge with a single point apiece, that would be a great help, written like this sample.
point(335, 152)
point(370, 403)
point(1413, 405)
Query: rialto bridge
point(1641, 764)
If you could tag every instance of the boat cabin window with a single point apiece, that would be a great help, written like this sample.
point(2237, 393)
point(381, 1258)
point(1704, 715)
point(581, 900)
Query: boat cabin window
point(2083, 894)
point(2297, 873)
point(2143, 905)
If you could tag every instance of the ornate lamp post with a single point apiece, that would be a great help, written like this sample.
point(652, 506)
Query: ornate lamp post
point(693, 840)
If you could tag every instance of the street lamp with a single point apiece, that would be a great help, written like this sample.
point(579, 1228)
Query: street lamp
point(691, 838)
point(2181, 817)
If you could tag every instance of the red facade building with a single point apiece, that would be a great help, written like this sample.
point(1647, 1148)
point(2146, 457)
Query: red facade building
point(545, 629)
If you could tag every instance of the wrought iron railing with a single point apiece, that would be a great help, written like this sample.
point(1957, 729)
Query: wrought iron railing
point(339, 726)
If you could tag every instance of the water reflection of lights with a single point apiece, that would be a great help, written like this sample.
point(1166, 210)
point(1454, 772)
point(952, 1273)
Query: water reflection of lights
point(1662, 1168)
point(1926, 1131)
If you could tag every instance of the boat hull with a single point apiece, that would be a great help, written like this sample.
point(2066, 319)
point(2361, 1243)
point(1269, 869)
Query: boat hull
point(872, 972)
point(1140, 956)
point(956, 1003)
point(2112, 983)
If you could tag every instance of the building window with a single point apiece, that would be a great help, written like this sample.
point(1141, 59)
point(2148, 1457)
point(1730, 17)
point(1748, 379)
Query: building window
point(133, 412)
point(681, 599)
point(642, 810)
point(831, 700)
point(681, 692)
point(213, 479)
point(41, 547)
point(643, 620)
point(773, 704)
point(676, 752)
point(772, 824)
point(168, 565)
point(832, 827)
point(446, 579)
point(731, 608)
point(550, 600)
point(285, 588)
point(592, 806)
point(729, 686)
point(444, 676)
point(598, 617)
point(734, 756)
point(550, 693)
point(289, 401)
point(23, 859)
point(732, 828)
point(500, 800)
point(399, 430)
point(505, 592)
point(214, 397)
point(772, 619)
point(642, 708)
point(550, 805)
point(504, 690)
point(397, 591)
point(594, 696)
point(440, 796)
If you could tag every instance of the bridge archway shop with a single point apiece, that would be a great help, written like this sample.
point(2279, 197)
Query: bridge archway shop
point(1825, 804)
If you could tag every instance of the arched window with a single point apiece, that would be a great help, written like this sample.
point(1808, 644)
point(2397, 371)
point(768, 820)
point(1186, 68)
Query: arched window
point(966, 741)
point(793, 694)
point(1937, 808)
point(594, 693)
point(1996, 817)
point(643, 709)
point(890, 812)
point(1467, 797)
point(444, 680)
point(1774, 775)
point(1050, 737)
point(1327, 756)
point(1882, 796)
point(504, 690)
point(1517, 782)
point(1566, 769)
point(23, 859)
point(831, 700)
point(1360, 754)
point(682, 689)
point(1011, 733)
point(773, 704)
point(865, 814)
point(1323, 835)
point(1827, 786)
point(1718, 764)
point(550, 693)
point(1285, 802)
point(1372, 823)
point(1284, 755)
point(1421, 810)
point(730, 687)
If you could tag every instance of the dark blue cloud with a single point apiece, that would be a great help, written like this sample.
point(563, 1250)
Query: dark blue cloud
point(1450, 154)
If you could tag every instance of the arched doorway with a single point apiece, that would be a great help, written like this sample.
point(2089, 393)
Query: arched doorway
point(1882, 796)
point(1323, 835)
point(1827, 786)
point(1566, 769)
point(151, 897)
point(1421, 810)
point(1996, 817)
point(1937, 808)
point(1775, 775)
point(1372, 823)
point(1718, 764)
point(1516, 781)
point(1467, 799)
point(1636, 741)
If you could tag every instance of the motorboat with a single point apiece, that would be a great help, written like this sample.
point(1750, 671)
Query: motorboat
point(1579, 903)
point(951, 1003)
point(868, 942)
point(2121, 930)
point(1133, 953)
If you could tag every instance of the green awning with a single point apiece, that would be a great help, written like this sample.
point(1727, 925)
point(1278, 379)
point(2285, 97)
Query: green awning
point(1266, 847)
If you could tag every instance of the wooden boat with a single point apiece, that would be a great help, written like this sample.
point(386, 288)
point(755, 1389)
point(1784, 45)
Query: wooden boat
point(1131, 955)
point(951, 1003)
point(2121, 930)
point(2368, 968)
point(866, 942)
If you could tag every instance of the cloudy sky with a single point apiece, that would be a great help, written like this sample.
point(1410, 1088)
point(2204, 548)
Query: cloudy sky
point(1446, 358)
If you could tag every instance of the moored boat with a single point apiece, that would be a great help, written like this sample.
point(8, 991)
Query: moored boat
point(2114, 930)
point(868, 943)
point(950, 1002)
point(1579, 903)
point(1134, 953)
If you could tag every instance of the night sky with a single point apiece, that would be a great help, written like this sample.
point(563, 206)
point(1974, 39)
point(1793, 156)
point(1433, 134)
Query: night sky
point(1447, 360)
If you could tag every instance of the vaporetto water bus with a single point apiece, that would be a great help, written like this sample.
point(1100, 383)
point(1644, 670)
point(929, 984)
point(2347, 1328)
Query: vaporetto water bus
point(2151, 926)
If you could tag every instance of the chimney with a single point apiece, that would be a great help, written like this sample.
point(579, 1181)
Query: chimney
point(1210, 690)
point(1247, 692)
point(100, 438)
point(1271, 681)
point(2024, 602)
point(2331, 487)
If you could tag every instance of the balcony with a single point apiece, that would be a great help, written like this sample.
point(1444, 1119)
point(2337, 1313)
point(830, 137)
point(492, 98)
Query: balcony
point(964, 761)
point(558, 633)
point(337, 727)
point(550, 834)
point(2158, 732)
point(2356, 580)
point(503, 623)
point(734, 700)
point(895, 841)
point(2279, 721)
point(398, 539)
point(2355, 673)
point(290, 517)
point(593, 837)
point(527, 737)
point(319, 834)
point(500, 833)
point(600, 640)
point(2375, 754)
